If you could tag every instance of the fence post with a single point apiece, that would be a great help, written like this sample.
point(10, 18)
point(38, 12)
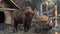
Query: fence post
point(56, 23)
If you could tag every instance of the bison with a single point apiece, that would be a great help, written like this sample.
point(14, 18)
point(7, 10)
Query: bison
point(24, 17)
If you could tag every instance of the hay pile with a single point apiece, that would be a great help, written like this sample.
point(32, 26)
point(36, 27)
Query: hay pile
point(43, 18)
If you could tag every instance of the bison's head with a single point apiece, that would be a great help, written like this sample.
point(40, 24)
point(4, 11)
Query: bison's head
point(29, 9)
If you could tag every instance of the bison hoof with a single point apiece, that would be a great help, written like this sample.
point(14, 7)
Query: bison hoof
point(25, 30)
point(14, 31)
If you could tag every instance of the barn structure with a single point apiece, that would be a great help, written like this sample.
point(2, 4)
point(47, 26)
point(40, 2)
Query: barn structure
point(6, 9)
point(8, 6)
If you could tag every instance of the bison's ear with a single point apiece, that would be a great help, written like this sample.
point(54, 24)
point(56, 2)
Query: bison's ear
point(33, 14)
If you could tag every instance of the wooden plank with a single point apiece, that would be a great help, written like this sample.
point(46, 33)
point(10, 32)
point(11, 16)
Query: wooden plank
point(15, 4)
point(56, 23)
point(2, 9)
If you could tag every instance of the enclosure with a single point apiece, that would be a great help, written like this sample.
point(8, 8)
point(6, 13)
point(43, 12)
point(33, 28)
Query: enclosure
point(40, 7)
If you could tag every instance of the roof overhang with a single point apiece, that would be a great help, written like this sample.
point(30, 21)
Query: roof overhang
point(15, 4)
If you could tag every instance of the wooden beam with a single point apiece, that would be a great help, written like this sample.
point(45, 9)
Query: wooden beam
point(56, 15)
point(15, 4)
point(2, 9)
point(56, 23)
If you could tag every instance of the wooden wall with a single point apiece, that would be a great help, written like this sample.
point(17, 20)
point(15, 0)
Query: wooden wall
point(7, 13)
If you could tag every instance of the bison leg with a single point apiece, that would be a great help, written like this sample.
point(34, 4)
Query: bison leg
point(15, 26)
point(27, 25)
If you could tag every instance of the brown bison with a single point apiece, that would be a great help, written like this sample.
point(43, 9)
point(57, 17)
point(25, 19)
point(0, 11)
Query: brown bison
point(23, 17)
